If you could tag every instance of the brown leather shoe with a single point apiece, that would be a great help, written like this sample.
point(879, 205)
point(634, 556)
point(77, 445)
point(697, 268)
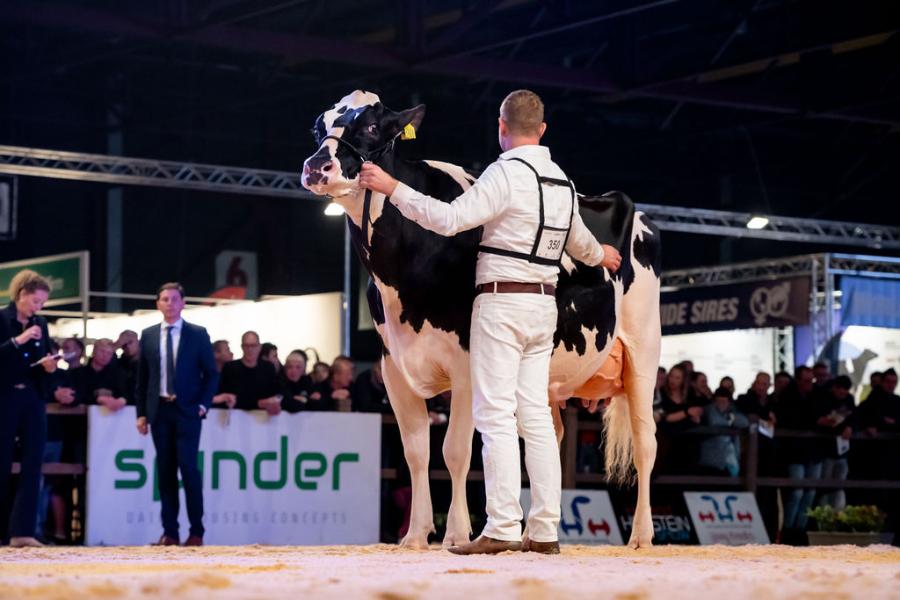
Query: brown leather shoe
point(193, 540)
point(165, 540)
point(486, 545)
point(541, 547)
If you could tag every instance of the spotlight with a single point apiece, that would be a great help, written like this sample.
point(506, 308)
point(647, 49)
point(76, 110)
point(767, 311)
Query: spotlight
point(334, 209)
point(757, 222)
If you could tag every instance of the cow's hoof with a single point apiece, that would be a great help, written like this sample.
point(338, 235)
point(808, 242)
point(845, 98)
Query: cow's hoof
point(455, 539)
point(418, 540)
point(414, 543)
point(640, 541)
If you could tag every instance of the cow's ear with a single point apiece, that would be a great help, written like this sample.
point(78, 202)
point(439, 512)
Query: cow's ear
point(411, 116)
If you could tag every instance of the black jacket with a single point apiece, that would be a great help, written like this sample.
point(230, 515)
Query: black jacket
point(14, 360)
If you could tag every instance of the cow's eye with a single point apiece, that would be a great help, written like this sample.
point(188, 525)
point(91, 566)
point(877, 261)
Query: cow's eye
point(372, 129)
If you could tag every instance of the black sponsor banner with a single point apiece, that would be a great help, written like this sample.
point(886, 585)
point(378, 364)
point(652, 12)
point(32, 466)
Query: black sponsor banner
point(739, 306)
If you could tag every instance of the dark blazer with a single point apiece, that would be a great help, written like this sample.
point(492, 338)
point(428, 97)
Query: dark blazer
point(13, 363)
point(196, 376)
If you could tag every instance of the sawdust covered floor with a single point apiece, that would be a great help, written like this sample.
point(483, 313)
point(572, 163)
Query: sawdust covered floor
point(389, 573)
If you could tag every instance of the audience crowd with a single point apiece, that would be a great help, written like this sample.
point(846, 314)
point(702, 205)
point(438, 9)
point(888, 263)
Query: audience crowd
point(815, 414)
point(809, 400)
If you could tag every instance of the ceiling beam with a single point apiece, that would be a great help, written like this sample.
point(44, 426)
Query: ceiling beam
point(242, 39)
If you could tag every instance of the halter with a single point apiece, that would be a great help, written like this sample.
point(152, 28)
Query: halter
point(372, 155)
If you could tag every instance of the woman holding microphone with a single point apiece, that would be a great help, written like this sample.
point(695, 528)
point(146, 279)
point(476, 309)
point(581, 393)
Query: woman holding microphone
point(24, 366)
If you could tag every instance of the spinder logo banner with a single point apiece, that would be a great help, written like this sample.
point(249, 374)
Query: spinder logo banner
point(741, 306)
point(311, 478)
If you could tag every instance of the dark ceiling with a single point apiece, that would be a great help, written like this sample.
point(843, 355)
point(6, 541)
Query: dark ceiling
point(786, 107)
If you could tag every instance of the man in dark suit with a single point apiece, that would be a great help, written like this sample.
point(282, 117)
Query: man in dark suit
point(177, 378)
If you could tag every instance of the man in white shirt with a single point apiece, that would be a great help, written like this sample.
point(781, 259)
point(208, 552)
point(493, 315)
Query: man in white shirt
point(529, 211)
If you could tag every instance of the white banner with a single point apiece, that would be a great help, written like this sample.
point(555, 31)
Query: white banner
point(729, 518)
point(310, 478)
point(740, 354)
point(587, 517)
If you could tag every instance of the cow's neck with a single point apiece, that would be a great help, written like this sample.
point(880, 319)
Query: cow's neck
point(353, 203)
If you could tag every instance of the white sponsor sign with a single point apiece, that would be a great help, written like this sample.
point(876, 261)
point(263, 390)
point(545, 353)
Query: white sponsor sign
point(587, 517)
point(311, 478)
point(729, 518)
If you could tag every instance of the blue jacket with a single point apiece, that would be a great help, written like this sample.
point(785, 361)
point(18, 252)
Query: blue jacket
point(196, 376)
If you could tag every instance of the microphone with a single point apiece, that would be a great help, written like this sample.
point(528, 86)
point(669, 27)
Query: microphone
point(59, 355)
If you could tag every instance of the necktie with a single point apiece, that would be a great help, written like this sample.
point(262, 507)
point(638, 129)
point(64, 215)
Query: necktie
point(170, 363)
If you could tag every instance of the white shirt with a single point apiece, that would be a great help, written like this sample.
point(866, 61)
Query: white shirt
point(163, 353)
point(505, 201)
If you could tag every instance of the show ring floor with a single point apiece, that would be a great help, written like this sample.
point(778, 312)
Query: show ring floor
point(389, 573)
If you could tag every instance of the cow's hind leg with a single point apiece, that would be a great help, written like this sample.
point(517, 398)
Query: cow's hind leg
point(640, 333)
point(639, 390)
point(412, 418)
point(458, 458)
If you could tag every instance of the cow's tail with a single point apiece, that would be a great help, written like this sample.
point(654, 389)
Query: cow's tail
point(617, 441)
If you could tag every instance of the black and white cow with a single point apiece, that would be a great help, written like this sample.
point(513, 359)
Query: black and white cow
point(423, 286)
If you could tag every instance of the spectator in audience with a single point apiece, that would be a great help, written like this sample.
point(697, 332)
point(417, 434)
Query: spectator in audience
point(676, 414)
point(296, 385)
point(837, 421)
point(874, 382)
point(249, 383)
point(129, 361)
point(821, 375)
point(728, 383)
point(222, 354)
point(781, 383)
point(103, 382)
point(881, 410)
point(334, 392)
point(657, 389)
point(721, 454)
point(699, 393)
point(321, 371)
point(64, 384)
point(757, 402)
point(759, 406)
point(688, 367)
point(269, 353)
point(369, 393)
point(797, 411)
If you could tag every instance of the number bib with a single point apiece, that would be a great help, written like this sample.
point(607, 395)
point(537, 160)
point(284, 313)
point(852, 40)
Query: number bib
point(552, 242)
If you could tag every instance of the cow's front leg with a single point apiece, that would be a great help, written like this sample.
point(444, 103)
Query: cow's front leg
point(412, 418)
point(458, 458)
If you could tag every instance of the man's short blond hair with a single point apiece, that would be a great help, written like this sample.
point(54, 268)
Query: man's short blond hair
point(523, 112)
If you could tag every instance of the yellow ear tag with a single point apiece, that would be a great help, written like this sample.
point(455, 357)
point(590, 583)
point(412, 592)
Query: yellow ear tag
point(409, 132)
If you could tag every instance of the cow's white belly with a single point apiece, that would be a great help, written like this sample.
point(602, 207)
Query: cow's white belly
point(429, 358)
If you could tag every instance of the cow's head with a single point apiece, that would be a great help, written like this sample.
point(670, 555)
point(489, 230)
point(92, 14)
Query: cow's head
point(357, 128)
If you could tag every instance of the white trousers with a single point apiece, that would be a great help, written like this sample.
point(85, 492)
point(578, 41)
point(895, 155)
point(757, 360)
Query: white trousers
point(511, 343)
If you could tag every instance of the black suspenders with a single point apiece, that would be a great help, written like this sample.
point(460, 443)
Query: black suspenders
point(533, 257)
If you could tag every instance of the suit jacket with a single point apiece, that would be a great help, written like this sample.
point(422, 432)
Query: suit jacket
point(13, 363)
point(196, 376)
